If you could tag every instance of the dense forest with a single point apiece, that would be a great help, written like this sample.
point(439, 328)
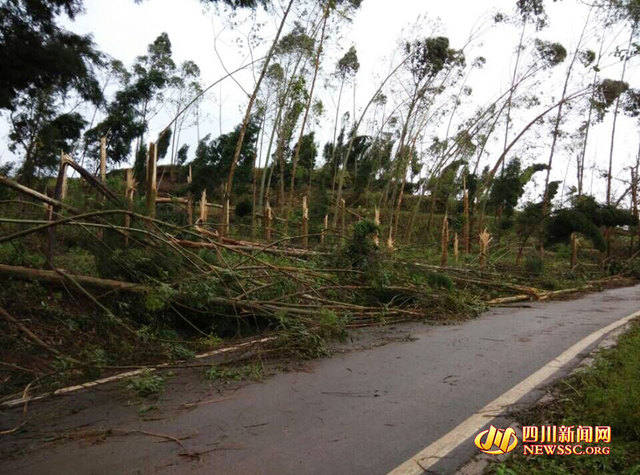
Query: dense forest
point(131, 233)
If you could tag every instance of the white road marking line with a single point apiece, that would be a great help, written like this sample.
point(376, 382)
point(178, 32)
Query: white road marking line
point(432, 454)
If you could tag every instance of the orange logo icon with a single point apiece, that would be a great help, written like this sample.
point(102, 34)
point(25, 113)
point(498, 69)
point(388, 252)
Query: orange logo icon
point(496, 441)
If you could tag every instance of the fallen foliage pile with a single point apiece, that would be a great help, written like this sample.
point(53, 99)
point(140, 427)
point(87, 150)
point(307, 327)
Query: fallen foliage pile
point(97, 286)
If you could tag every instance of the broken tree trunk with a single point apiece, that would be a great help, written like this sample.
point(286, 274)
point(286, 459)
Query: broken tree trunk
point(93, 181)
point(325, 227)
point(444, 258)
point(343, 222)
point(574, 251)
point(152, 158)
point(103, 160)
point(34, 194)
point(204, 211)
point(305, 223)
point(225, 218)
point(52, 210)
point(189, 208)
point(455, 247)
point(224, 228)
point(103, 175)
point(128, 194)
point(248, 112)
point(466, 242)
point(51, 276)
point(189, 204)
point(249, 246)
point(390, 243)
point(62, 175)
point(267, 222)
point(305, 117)
point(484, 239)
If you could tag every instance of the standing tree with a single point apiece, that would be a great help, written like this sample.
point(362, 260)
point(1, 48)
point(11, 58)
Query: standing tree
point(37, 54)
point(346, 68)
point(140, 99)
point(45, 68)
point(41, 132)
point(247, 118)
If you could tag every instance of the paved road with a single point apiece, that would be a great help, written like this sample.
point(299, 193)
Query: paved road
point(362, 412)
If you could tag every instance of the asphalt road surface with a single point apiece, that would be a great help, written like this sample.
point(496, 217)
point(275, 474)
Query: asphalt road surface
point(360, 412)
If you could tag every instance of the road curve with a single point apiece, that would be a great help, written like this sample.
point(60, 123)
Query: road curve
point(362, 412)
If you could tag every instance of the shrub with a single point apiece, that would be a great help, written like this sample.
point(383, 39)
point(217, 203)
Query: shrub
point(145, 384)
point(244, 208)
point(361, 247)
point(77, 261)
point(534, 265)
point(435, 279)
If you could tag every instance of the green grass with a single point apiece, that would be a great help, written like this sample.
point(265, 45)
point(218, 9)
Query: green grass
point(605, 394)
point(253, 372)
point(144, 385)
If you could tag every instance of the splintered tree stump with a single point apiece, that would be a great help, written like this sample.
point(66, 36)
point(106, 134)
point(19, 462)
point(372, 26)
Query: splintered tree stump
point(343, 221)
point(189, 207)
point(224, 229)
point(62, 176)
point(390, 242)
point(204, 210)
point(268, 218)
point(456, 253)
point(128, 194)
point(444, 258)
point(484, 239)
point(152, 171)
point(325, 227)
point(305, 223)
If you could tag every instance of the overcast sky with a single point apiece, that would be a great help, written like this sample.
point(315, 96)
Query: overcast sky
point(123, 30)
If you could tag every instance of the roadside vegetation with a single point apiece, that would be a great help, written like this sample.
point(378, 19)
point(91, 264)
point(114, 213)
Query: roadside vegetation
point(605, 394)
